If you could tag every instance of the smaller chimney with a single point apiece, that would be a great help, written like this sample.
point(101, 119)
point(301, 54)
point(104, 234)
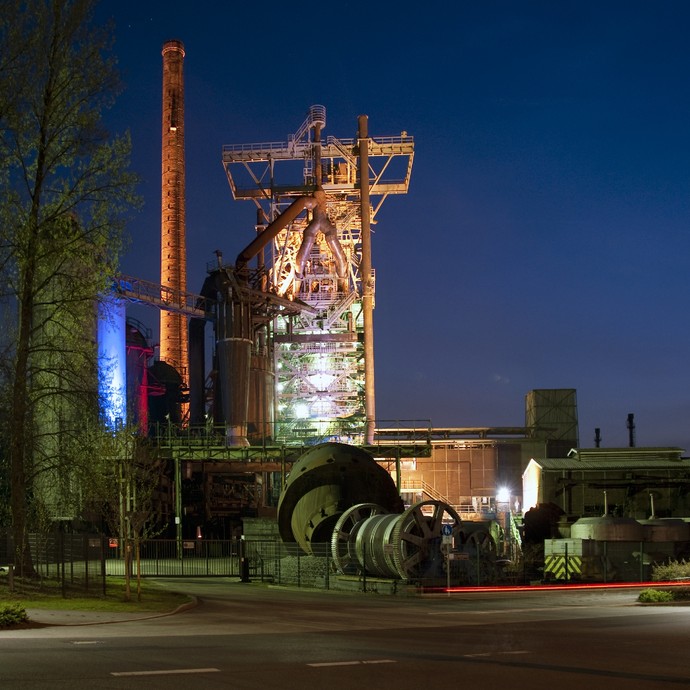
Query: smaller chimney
point(631, 430)
point(597, 437)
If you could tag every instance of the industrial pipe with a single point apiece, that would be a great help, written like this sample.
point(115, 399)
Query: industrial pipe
point(321, 223)
point(272, 229)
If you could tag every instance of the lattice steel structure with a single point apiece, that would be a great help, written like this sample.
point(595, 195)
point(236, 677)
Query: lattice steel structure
point(324, 356)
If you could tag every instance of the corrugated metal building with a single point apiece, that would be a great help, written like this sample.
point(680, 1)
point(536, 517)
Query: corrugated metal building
point(632, 482)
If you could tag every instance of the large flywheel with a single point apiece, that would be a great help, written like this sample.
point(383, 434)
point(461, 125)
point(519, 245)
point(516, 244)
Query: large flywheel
point(344, 539)
point(394, 545)
point(417, 538)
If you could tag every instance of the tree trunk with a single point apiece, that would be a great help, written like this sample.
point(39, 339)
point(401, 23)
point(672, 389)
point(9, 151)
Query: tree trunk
point(18, 429)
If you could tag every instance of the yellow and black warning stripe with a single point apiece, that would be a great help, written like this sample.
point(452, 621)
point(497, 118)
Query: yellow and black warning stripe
point(555, 566)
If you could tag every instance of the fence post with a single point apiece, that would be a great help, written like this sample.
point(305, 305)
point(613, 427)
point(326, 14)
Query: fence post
point(103, 566)
point(364, 566)
point(278, 562)
point(606, 562)
point(641, 561)
point(61, 562)
point(85, 551)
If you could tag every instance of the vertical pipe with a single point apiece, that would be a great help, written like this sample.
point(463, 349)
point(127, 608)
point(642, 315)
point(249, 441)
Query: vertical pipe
point(567, 564)
point(367, 281)
point(173, 326)
point(631, 430)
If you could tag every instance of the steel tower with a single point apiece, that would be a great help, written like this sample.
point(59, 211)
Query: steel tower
point(323, 356)
point(173, 325)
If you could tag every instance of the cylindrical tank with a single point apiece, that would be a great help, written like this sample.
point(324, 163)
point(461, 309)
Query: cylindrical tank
point(139, 351)
point(166, 408)
point(234, 358)
point(112, 360)
point(607, 529)
point(260, 420)
point(665, 529)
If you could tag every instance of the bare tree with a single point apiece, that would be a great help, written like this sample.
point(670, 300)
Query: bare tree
point(127, 487)
point(65, 190)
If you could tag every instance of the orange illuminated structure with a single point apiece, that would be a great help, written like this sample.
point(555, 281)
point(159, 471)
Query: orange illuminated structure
point(173, 324)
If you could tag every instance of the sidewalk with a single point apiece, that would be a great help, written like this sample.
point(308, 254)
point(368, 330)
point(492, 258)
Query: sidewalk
point(68, 617)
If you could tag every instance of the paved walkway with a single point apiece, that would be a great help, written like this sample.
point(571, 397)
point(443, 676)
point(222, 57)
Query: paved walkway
point(68, 617)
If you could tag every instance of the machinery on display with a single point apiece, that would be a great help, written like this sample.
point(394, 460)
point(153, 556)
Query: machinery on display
point(338, 494)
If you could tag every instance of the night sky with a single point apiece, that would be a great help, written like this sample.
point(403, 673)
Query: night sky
point(544, 241)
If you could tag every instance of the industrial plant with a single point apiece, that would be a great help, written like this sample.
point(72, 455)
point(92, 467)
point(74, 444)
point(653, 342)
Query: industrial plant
point(271, 431)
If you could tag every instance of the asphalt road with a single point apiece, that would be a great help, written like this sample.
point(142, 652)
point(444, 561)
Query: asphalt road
point(249, 636)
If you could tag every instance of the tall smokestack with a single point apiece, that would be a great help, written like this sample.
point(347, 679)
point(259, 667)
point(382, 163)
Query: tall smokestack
point(173, 326)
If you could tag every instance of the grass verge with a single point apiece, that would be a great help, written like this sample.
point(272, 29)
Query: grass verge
point(48, 594)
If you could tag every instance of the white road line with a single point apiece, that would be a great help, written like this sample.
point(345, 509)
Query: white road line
point(488, 612)
point(517, 651)
point(353, 663)
point(87, 642)
point(165, 673)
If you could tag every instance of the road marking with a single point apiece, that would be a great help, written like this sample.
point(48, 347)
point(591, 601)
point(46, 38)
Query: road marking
point(87, 642)
point(165, 673)
point(517, 651)
point(353, 663)
point(488, 612)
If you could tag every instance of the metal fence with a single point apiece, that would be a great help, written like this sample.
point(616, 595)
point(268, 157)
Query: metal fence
point(82, 562)
point(75, 561)
point(173, 558)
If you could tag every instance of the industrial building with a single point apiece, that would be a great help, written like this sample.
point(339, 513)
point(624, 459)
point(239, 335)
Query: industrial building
point(292, 362)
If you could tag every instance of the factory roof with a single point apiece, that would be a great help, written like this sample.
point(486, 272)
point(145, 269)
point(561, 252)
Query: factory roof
point(600, 459)
point(633, 454)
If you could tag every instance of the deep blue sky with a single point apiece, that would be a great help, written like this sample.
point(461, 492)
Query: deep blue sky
point(545, 239)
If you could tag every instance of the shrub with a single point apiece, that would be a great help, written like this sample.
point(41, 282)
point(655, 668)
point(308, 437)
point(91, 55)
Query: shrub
point(673, 570)
point(12, 614)
point(654, 596)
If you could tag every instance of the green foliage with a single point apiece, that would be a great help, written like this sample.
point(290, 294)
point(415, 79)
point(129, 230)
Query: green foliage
point(654, 596)
point(48, 594)
point(12, 614)
point(66, 193)
point(673, 570)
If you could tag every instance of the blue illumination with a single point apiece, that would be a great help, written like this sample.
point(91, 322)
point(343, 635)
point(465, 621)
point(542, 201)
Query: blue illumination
point(112, 361)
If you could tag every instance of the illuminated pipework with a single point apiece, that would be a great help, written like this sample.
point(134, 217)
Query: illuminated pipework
point(173, 325)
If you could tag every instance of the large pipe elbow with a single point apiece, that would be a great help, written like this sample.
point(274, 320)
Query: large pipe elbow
point(321, 223)
point(308, 238)
point(282, 221)
point(331, 235)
